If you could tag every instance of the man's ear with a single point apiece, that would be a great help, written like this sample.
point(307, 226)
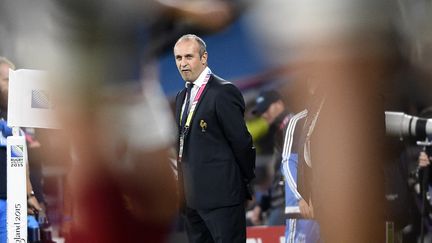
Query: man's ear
point(204, 58)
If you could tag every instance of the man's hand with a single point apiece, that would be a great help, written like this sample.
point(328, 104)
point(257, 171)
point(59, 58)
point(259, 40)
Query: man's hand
point(423, 160)
point(256, 215)
point(33, 206)
point(306, 210)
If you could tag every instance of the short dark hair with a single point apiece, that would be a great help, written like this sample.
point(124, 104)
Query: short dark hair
point(202, 44)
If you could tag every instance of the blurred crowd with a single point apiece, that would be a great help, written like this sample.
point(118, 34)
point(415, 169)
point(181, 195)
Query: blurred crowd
point(110, 174)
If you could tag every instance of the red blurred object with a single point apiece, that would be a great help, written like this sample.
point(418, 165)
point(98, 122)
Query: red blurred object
point(265, 234)
point(109, 221)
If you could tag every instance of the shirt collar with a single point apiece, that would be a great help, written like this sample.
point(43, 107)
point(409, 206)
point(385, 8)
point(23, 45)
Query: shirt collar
point(200, 80)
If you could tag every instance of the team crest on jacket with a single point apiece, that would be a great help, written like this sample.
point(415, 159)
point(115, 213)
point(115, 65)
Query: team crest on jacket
point(203, 126)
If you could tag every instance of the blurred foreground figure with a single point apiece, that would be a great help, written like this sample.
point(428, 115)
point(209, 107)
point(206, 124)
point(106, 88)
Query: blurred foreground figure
point(346, 50)
point(118, 120)
point(121, 186)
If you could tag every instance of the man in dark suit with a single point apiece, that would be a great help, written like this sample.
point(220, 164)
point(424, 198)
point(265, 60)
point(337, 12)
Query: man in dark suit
point(216, 156)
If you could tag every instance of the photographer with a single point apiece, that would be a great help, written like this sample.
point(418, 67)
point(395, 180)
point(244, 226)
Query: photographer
point(409, 208)
point(270, 107)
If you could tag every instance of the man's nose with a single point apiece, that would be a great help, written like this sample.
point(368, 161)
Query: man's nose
point(183, 63)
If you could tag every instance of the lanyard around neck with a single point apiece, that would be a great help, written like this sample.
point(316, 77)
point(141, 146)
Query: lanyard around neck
point(189, 118)
point(195, 101)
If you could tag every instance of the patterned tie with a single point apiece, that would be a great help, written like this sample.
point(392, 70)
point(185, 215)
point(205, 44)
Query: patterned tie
point(186, 108)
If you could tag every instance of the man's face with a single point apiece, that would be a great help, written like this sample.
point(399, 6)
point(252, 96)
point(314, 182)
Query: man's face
point(4, 85)
point(188, 60)
point(273, 111)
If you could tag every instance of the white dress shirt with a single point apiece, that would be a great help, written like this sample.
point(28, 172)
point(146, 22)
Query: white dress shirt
point(197, 85)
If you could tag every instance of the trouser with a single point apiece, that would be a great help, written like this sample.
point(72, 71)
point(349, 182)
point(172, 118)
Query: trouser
point(220, 225)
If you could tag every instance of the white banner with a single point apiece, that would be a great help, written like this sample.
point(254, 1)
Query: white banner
point(16, 189)
point(30, 100)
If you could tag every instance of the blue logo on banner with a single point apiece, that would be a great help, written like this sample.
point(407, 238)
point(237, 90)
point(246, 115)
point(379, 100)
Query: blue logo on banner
point(17, 151)
point(40, 99)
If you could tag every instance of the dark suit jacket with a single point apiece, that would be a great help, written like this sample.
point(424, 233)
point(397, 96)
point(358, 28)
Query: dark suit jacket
point(218, 162)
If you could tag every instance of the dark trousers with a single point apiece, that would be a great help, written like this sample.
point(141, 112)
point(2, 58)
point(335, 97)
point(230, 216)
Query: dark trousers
point(220, 225)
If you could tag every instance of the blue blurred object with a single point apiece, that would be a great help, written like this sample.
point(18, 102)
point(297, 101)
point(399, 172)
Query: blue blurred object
point(33, 229)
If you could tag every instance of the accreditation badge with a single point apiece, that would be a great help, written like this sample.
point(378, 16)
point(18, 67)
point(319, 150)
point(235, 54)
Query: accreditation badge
point(181, 147)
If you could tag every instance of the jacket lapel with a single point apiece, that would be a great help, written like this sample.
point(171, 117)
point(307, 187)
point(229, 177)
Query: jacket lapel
point(179, 105)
